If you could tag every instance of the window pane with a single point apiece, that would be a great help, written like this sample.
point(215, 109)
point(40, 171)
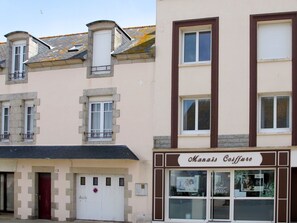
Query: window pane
point(187, 183)
point(187, 208)
point(189, 115)
point(204, 46)
point(203, 114)
point(220, 209)
point(266, 112)
point(253, 210)
point(108, 181)
point(190, 47)
point(82, 181)
point(254, 183)
point(107, 116)
point(221, 184)
point(283, 112)
point(274, 41)
point(95, 181)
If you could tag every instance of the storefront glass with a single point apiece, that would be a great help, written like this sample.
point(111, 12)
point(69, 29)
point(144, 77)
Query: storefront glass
point(254, 195)
point(187, 191)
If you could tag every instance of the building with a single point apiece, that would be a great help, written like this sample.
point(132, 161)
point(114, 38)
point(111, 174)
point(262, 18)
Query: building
point(225, 111)
point(75, 142)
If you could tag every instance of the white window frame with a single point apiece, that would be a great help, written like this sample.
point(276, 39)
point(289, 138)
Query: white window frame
point(274, 129)
point(197, 61)
point(196, 131)
point(31, 131)
point(5, 106)
point(101, 117)
point(22, 45)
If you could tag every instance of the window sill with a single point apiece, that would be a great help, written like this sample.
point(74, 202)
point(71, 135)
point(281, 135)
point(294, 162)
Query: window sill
point(193, 135)
point(274, 133)
point(196, 64)
point(274, 60)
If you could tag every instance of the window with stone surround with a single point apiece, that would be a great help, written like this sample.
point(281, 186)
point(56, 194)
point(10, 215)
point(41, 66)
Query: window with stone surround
point(18, 58)
point(99, 115)
point(5, 133)
point(19, 118)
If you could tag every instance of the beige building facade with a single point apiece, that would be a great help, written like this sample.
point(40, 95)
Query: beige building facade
point(75, 140)
point(224, 114)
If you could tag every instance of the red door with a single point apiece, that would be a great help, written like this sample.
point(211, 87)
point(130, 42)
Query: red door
point(44, 195)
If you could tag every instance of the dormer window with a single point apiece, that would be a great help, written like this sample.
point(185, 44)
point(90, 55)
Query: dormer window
point(18, 59)
point(101, 52)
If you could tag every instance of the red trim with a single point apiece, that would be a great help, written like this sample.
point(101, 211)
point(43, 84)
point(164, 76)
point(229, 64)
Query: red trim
point(254, 19)
point(214, 22)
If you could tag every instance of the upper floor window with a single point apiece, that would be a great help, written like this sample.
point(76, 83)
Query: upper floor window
point(275, 113)
point(196, 46)
point(101, 52)
point(100, 120)
point(29, 121)
point(5, 123)
point(195, 116)
point(18, 59)
point(274, 41)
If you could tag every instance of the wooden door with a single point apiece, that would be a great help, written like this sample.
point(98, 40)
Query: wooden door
point(44, 195)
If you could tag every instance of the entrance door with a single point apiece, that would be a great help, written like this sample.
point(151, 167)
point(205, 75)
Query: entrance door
point(219, 203)
point(6, 192)
point(44, 195)
point(100, 197)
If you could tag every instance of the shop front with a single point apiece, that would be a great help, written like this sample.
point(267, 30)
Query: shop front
point(221, 186)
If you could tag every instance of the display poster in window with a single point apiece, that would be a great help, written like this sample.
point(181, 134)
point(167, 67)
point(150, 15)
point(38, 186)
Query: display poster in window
point(187, 184)
point(252, 182)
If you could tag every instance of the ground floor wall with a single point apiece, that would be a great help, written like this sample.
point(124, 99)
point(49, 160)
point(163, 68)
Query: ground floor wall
point(222, 185)
point(134, 179)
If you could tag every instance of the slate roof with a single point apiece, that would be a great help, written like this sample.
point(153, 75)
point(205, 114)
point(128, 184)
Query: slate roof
point(67, 152)
point(142, 41)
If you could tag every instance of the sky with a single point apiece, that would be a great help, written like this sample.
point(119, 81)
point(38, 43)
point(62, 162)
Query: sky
point(43, 18)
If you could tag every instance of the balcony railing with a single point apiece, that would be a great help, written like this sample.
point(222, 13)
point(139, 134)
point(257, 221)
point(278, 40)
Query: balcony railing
point(27, 136)
point(4, 136)
point(99, 135)
point(18, 75)
point(97, 70)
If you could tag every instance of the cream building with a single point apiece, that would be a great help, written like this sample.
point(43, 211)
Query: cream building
point(76, 129)
point(225, 111)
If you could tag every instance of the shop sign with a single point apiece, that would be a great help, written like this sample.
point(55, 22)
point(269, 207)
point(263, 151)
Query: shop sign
point(228, 159)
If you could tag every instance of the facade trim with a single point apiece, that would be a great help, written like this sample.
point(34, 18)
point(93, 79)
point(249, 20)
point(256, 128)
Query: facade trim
point(214, 22)
point(254, 19)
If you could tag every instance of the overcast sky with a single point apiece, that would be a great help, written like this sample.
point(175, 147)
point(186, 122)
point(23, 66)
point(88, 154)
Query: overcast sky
point(57, 17)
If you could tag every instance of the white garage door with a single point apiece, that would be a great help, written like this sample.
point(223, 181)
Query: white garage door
point(100, 197)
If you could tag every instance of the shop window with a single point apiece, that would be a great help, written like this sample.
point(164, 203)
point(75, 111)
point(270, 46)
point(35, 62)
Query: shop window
point(274, 41)
point(275, 113)
point(195, 116)
point(254, 195)
point(187, 194)
point(196, 46)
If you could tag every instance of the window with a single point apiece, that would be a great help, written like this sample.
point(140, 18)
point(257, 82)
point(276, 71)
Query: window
point(187, 194)
point(5, 123)
point(254, 188)
point(101, 52)
point(18, 59)
point(100, 120)
point(275, 113)
point(29, 125)
point(274, 41)
point(195, 115)
point(196, 46)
